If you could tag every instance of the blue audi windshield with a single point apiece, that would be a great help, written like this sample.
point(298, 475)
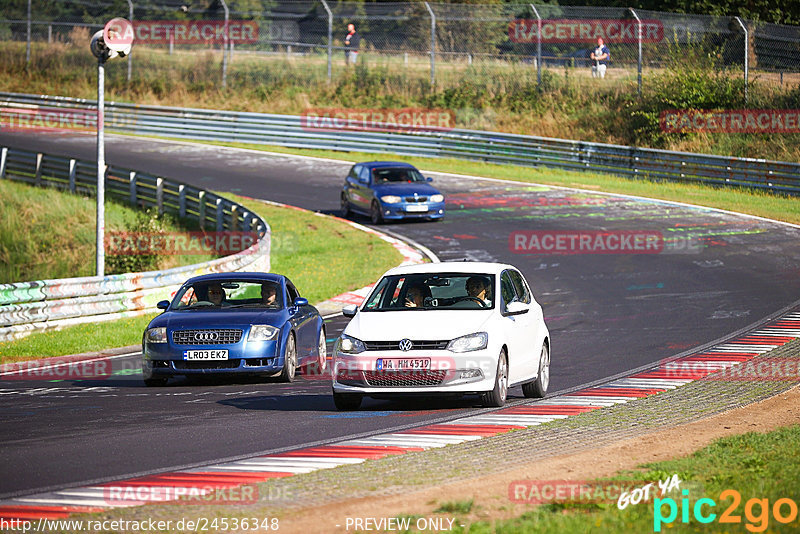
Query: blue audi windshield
point(228, 294)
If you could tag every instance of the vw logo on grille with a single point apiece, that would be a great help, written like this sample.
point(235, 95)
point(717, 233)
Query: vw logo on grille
point(406, 344)
point(206, 336)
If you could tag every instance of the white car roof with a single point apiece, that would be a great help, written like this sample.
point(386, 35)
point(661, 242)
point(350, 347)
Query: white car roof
point(477, 267)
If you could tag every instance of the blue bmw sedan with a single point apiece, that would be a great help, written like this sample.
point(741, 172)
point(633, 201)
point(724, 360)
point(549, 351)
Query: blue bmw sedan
point(386, 190)
point(234, 323)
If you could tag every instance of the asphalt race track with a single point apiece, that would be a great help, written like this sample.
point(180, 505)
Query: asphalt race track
point(607, 313)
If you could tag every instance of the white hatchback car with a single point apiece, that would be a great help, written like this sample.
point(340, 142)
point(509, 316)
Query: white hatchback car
point(443, 328)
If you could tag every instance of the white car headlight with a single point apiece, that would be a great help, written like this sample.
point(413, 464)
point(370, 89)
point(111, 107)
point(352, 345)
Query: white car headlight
point(157, 335)
point(476, 341)
point(437, 198)
point(351, 345)
point(262, 332)
point(391, 199)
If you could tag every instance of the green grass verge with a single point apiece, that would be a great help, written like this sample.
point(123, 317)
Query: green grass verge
point(752, 202)
point(757, 466)
point(322, 256)
point(35, 222)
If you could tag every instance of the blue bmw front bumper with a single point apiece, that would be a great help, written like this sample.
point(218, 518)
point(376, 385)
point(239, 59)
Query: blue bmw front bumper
point(412, 210)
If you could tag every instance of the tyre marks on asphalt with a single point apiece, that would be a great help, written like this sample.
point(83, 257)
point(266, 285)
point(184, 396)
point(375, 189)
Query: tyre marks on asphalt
point(208, 479)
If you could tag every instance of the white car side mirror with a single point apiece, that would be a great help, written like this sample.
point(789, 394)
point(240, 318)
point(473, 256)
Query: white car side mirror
point(517, 308)
point(350, 310)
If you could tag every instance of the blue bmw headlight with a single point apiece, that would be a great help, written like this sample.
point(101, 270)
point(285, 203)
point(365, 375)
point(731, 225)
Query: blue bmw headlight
point(437, 198)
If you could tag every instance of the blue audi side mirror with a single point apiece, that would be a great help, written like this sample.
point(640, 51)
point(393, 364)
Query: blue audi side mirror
point(163, 305)
point(429, 179)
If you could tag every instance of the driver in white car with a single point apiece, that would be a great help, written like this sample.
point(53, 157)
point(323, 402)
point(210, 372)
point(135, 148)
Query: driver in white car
point(478, 287)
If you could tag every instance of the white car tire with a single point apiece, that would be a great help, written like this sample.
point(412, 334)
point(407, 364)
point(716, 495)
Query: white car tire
point(497, 396)
point(538, 388)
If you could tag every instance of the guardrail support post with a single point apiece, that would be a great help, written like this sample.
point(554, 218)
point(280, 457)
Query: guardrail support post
point(433, 44)
point(132, 188)
point(160, 196)
point(72, 167)
point(330, 39)
point(538, 47)
point(746, 55)
point(39, 169)
point(220, 215)
point(639, 57)
point(181, 201)
point(234, 219)
point(201, 209)
point(3, 159)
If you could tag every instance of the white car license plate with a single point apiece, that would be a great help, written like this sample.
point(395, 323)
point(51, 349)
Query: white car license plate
point(205, 355)
point(417, 207)
point(402, 364)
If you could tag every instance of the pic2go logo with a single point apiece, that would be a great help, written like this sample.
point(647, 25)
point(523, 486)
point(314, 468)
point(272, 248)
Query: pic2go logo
point(756, 511)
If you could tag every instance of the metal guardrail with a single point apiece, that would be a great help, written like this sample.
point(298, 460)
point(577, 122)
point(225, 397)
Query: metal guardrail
point(49, 304)
point(492, 147)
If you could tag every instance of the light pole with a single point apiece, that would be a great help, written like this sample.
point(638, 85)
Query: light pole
point(114, 40)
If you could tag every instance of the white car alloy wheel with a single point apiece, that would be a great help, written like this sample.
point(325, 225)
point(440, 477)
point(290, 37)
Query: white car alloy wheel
point(497, 397)
point(538, 388)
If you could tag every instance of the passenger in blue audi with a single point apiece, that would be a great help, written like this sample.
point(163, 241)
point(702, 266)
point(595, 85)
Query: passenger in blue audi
point(387, 190)
point(234, 323)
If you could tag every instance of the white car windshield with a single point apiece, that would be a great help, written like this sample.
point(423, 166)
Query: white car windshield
point(432, 291)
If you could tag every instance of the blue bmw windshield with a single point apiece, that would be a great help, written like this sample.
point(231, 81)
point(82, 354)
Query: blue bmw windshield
point(396, 174)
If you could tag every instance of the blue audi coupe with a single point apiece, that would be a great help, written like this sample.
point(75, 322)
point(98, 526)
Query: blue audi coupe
point(253, 323)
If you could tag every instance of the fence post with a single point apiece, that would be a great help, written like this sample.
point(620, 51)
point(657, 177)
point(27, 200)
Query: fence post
point(225, 44)
point(72, 167)
point(28, 46)
point(130, 18)
point(330, 39)
point(639, 58)
point(3, 159)
point(433, 44)
point(746, 54)
point(538, 47)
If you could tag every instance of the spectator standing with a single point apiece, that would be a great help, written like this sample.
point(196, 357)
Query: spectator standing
point(351, 44)
point(601, 55)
